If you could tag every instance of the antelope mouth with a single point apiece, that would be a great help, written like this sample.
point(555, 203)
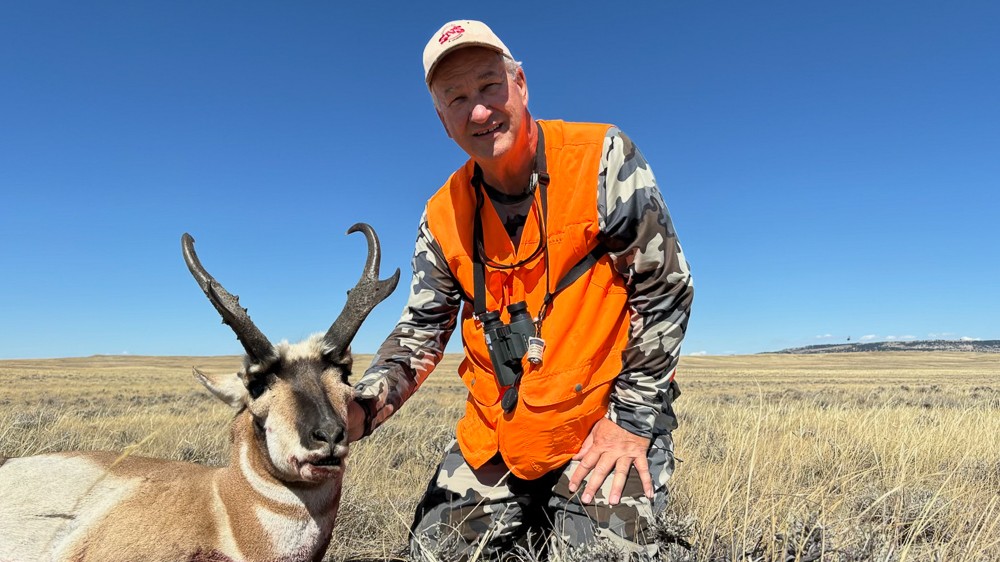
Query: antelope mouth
point(328, 461)
point(321, 468)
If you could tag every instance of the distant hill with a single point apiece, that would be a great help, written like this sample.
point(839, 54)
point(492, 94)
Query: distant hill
point(984, 346)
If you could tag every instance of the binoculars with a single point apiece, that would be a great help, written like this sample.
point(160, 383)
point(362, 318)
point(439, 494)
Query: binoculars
point(508, 342)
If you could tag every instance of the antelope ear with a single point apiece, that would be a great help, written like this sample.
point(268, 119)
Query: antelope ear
point(229, 388)
point(341, 358)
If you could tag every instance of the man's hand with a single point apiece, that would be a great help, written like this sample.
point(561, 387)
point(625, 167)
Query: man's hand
point(607, 449)
point(355, 421)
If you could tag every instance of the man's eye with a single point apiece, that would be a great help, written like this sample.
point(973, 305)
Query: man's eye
point(491, 87)
point(456, 100)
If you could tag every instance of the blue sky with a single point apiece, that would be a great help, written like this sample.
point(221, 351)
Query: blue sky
point(832, 168)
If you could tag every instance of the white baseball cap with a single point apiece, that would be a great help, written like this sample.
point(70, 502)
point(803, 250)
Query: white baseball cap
point(455, 35)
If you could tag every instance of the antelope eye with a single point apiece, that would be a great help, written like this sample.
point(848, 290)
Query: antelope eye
point(256, 387)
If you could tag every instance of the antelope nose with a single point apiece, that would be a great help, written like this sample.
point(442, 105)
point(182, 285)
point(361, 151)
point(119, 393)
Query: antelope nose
point(329, 435)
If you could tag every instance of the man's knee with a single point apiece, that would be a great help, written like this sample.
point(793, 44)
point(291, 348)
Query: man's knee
point(462, 507)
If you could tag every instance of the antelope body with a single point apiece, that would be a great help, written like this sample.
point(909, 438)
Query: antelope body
point(277, 498)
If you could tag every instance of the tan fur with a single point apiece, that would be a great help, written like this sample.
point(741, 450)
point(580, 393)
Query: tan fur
point(98, 506)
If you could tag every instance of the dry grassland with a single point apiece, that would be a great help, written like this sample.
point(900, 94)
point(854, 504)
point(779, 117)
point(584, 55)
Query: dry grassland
point(884, 456)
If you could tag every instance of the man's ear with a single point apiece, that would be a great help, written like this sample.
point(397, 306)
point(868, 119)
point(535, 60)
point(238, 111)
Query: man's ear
point(442, 121)
point(522, 85)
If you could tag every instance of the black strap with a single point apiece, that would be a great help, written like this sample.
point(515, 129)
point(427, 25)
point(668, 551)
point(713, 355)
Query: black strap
point(478, 272)
point(580, 268)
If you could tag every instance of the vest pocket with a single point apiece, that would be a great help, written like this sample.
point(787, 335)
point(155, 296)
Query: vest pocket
point(481, 384)
point(550, 389)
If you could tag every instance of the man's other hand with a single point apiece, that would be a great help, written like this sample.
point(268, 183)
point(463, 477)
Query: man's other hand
point(609, 448)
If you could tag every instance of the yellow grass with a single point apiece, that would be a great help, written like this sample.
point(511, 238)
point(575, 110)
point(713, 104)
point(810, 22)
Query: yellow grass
point(883, 456)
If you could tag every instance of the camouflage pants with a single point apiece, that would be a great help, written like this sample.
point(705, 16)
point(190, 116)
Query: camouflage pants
point(490, 511)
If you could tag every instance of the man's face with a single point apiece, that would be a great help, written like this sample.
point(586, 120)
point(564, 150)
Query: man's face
point(482, 107)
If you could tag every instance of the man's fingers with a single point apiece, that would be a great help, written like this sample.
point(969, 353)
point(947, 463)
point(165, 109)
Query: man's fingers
point(618, 483)
point(610, 449)
point(355, 421)
point(642, 467)
point(597, 476)
point(581, 472)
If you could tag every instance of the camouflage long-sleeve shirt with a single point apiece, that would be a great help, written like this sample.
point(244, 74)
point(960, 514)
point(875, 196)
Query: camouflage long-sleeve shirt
point(635, 227)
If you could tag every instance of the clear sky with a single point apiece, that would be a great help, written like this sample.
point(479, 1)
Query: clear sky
point(832, 168)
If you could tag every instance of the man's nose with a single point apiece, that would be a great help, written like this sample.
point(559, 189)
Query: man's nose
point(480, 113)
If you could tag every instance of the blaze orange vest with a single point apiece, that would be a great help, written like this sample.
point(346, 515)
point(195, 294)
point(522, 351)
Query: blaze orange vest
point(586, 327)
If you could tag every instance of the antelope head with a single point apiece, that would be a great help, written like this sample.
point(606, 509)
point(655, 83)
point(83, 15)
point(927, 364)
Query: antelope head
point(295, 394)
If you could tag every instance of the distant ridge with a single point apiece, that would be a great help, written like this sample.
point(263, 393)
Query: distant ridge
point(983, 346)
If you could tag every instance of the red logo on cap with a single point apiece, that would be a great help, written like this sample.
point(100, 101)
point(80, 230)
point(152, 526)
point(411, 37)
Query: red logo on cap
point(448, 35)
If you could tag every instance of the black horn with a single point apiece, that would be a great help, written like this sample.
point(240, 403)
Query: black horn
point(361, 300)
point(257, 346)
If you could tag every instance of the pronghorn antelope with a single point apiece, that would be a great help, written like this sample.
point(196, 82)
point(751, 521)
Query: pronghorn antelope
point(277, 498)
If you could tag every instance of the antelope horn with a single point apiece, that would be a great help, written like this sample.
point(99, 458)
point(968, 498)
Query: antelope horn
point(361, 300)
point(257, 346)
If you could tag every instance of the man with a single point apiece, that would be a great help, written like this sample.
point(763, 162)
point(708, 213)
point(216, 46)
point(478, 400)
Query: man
point(571, 444)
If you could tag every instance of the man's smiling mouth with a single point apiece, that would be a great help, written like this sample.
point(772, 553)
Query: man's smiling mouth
point(488, 131)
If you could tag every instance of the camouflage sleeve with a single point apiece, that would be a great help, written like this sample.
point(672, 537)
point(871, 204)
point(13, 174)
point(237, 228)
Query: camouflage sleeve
point(417, 343)
point(636, 227)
